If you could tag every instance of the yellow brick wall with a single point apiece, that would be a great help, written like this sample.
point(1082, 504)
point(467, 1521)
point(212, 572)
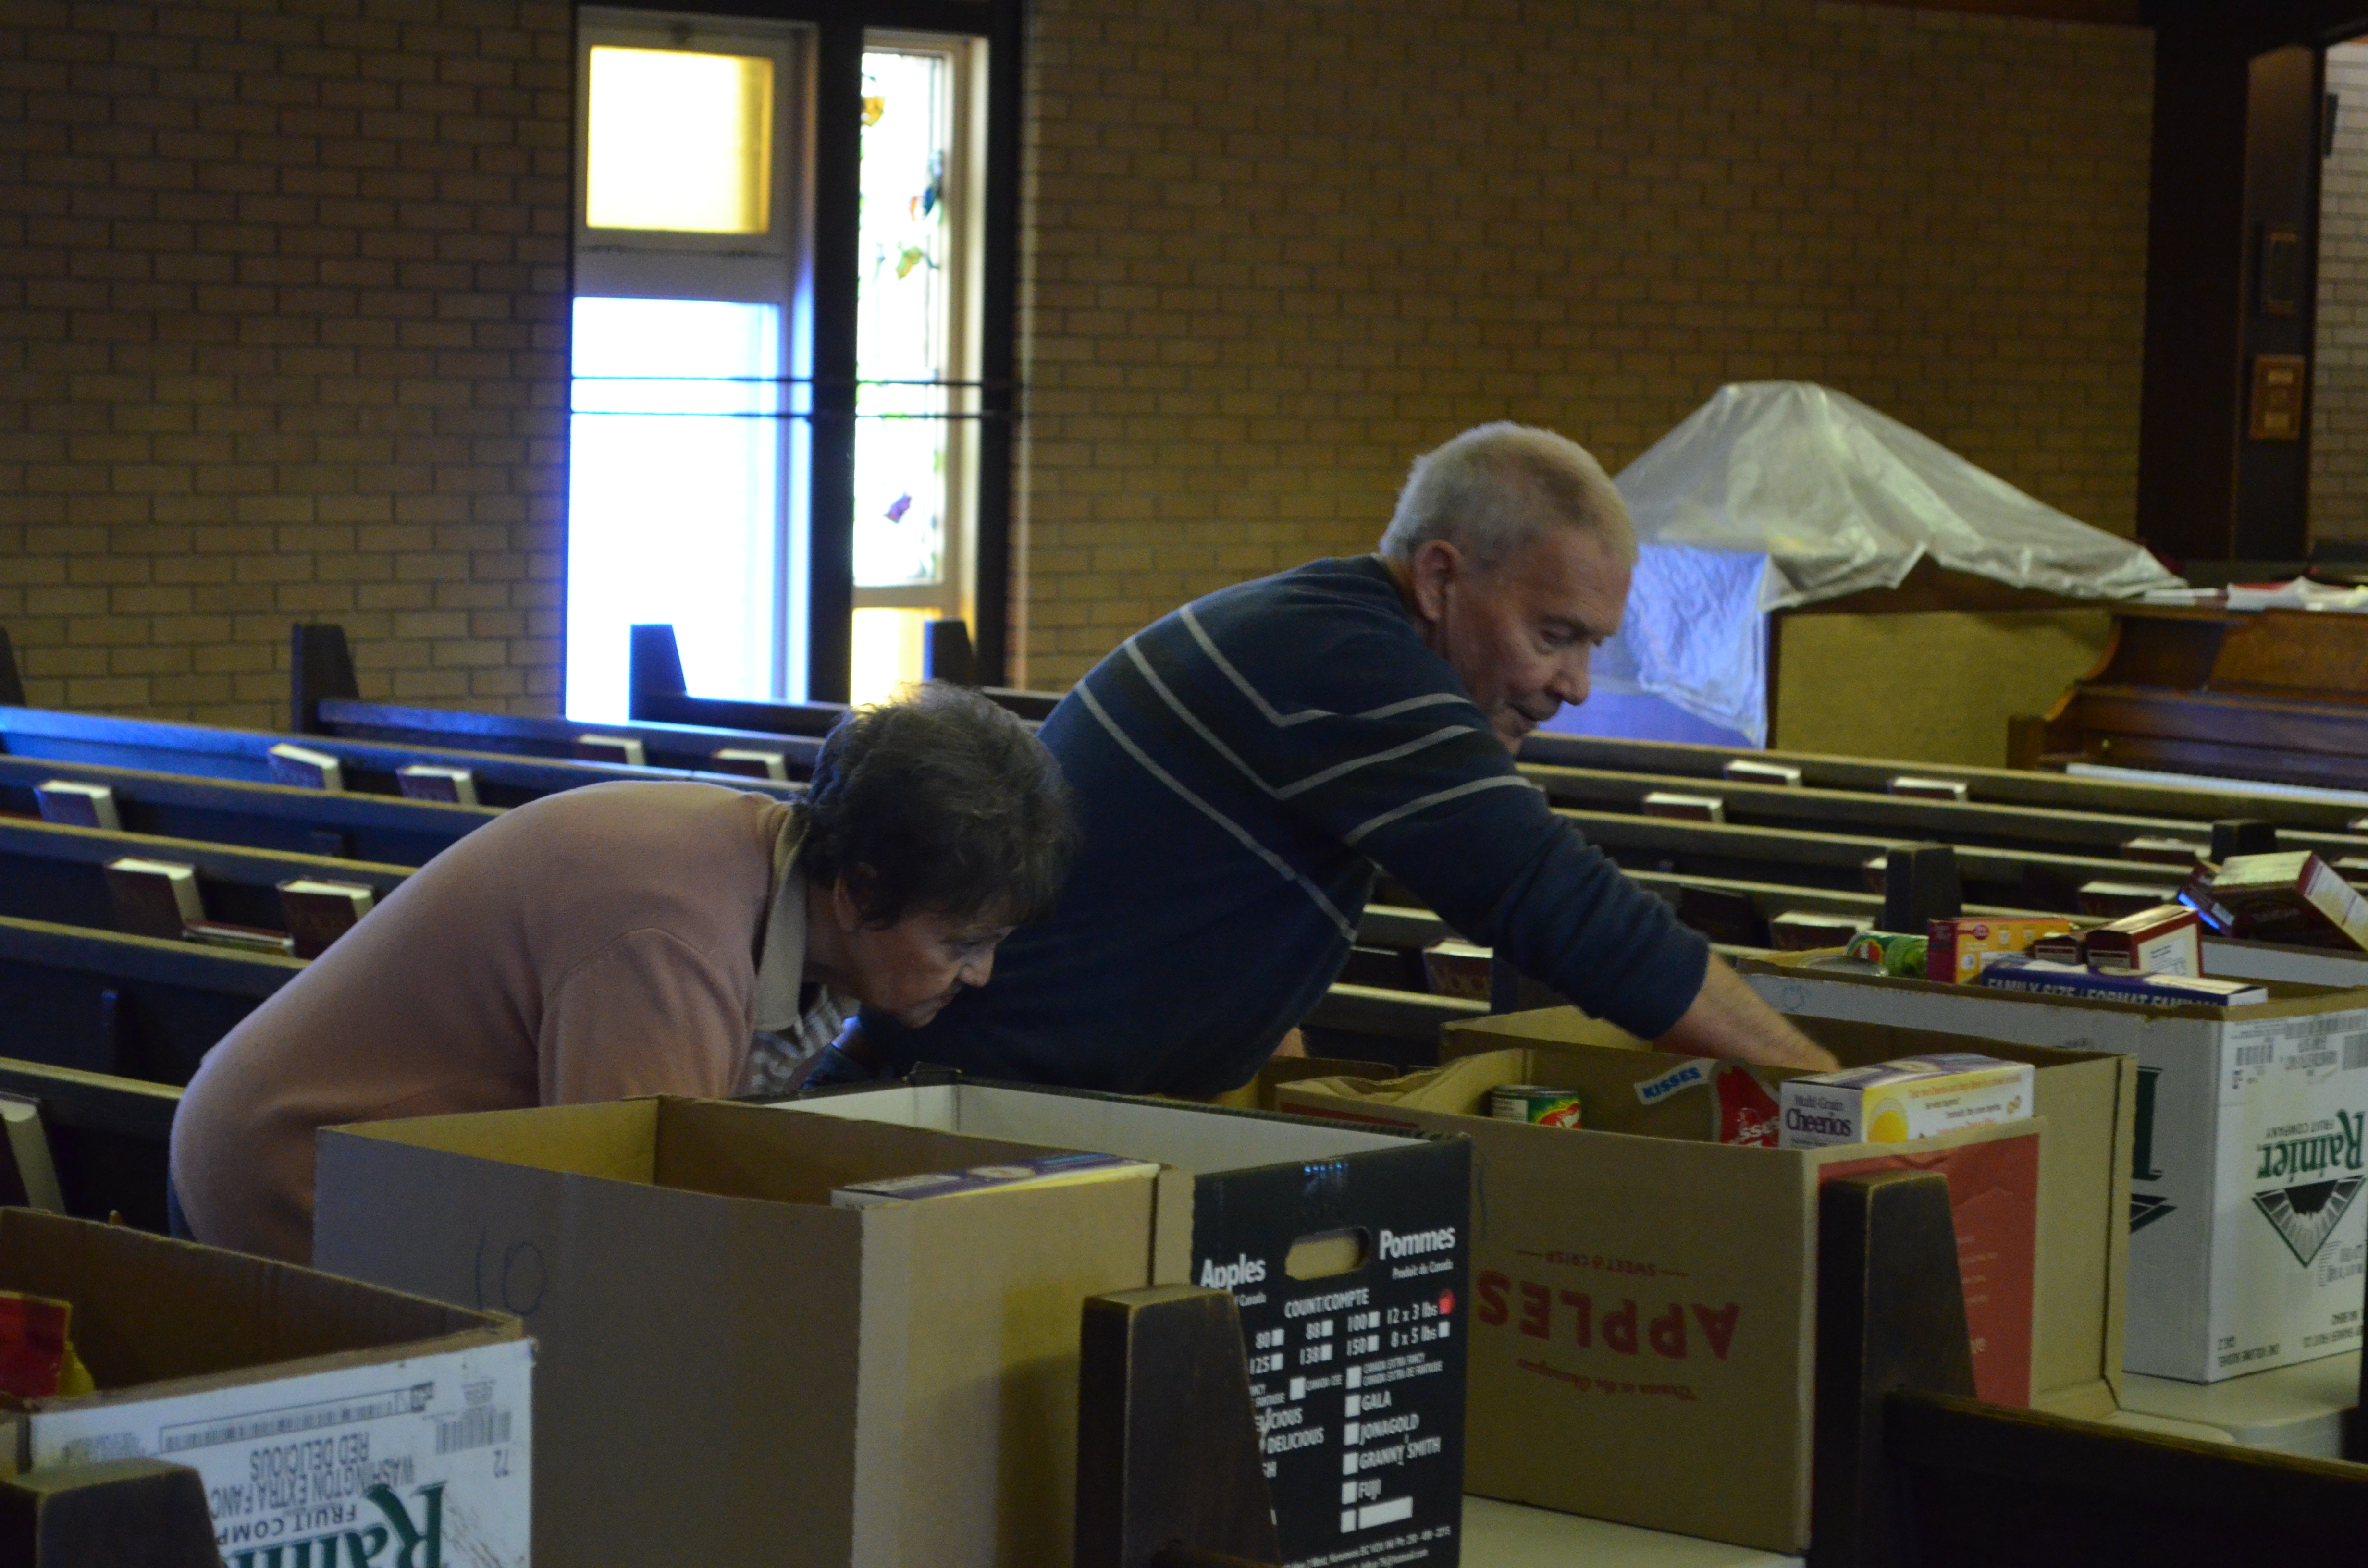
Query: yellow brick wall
point(1274, 248)
point(283, 292)
point(2339, 421)
point(283, 288)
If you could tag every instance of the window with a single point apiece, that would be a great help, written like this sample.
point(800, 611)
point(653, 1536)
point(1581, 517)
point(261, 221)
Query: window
point(916, 355)
point(785, 461)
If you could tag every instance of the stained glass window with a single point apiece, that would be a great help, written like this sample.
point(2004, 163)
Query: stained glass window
point(904, 328)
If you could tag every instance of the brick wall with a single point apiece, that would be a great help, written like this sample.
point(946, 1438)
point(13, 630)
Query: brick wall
point(2338, 418)
point(1276, 247)
point(283, 296)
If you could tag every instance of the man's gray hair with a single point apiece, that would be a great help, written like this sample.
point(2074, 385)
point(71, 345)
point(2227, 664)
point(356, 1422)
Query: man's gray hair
point(1495, 487)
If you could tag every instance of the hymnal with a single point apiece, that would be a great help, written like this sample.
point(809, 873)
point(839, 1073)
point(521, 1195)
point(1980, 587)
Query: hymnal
point(154, 898)
point(306, 768)
point(424, 781)
point(1746, 772)
point(749, 764)
point(71, 804)
point(612, 748)
point(318, 911)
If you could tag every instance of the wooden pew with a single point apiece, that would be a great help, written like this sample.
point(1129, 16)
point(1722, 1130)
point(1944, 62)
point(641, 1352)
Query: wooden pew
point(57, 874)
point(657, 693)
point(1703, 765)
point(195, 750)
point(136, 1007)
point(1964, 823)
point(260, 816)
point(109, 1137)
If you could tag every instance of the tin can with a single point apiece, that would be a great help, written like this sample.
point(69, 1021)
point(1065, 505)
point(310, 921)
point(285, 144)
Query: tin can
point(1534, 1103)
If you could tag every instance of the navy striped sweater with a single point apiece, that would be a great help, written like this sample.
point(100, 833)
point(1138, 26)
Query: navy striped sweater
point(1240, 767)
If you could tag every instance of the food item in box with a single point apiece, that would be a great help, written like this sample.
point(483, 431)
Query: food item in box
point(1538, 1104)
point(1893, 1102)
point(2166, 939)
point(1894, 952)
point(1747, 1113)
point(1458, 968)
point(1044, 1170)
point(1960, 948)
point(2023, 972)
point(37, 1358)
point(2293, 897)
point(2063, 948)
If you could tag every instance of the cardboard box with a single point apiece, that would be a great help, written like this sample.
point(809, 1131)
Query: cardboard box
point(324, 1415)
point(1346, 1250)
point(1688, 1408)
point(2246, 1246)
point(732, 1370)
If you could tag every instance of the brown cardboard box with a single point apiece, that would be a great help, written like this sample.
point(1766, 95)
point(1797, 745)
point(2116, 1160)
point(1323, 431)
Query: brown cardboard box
point(732, 1372)
point(1724, 1238)
point(322, 1412)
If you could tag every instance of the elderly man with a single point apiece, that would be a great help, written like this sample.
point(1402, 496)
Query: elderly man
point(1241, 766)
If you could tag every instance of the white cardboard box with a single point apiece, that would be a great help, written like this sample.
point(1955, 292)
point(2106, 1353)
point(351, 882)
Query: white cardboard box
point(731, 1371)
point(332, 1421)
point(2247, 1242)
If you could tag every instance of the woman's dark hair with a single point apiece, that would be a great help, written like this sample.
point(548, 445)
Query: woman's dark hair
point(941, 800)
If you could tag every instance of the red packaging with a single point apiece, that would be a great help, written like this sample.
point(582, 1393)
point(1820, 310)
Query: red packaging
point(1747, 1113)
point(32, 1343)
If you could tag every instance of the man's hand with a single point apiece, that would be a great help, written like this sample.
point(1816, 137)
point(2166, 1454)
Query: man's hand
point(1729, 1019)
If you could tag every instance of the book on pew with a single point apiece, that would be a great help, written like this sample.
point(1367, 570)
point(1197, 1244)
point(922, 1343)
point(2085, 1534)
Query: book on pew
point(1684, 808)
point(1927, 789)
point(1803, 930)
point(28, 1178)
point(319, 912)
point(306, 768)
point(1724, 916)
point(71, 804)
point(750, 764)
point(2113, 900)
point(154, 898)
point(612, 748)
point(2165, 852)
point(1746, 772)
point(424, 781)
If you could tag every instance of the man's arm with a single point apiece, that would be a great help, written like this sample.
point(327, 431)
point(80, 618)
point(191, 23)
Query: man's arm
point(1728, 1018)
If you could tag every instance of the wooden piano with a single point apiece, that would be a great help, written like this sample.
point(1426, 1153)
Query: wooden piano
point(2278, 695)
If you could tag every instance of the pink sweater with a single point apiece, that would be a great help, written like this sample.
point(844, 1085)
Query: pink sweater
point(595, 944)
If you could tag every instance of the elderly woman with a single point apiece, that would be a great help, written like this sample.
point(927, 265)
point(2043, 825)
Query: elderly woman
point(635, 940)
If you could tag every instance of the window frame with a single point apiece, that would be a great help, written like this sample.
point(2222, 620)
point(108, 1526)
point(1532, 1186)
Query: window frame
point(841, 30)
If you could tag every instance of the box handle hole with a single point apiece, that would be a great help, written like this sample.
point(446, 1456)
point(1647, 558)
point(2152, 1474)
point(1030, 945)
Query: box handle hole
point(1319, 1254)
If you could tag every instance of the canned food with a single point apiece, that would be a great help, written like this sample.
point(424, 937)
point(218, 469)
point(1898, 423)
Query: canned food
point(1534, 1103)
